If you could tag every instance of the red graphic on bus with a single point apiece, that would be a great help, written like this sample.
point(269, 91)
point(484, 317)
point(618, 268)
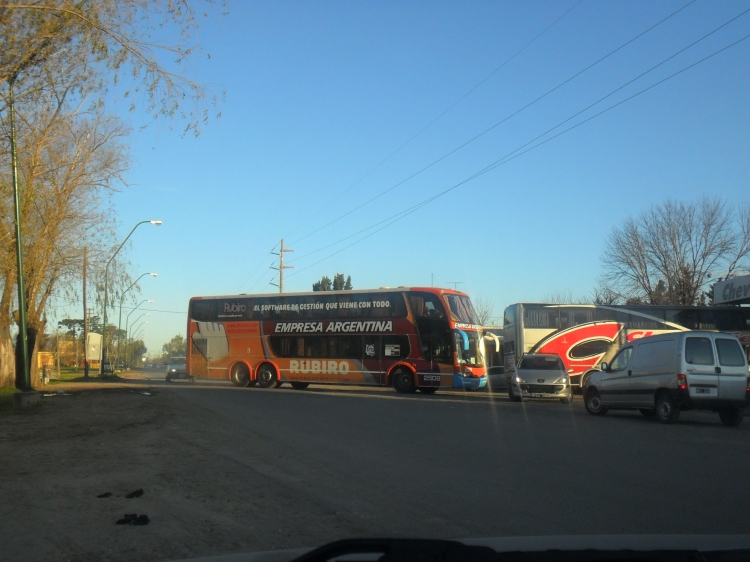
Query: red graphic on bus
point(588, 343)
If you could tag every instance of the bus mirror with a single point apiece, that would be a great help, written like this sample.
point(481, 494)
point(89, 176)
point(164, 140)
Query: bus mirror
point(605, 367)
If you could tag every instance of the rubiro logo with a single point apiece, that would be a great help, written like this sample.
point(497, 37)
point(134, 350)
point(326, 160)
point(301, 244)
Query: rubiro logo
point(234, 307)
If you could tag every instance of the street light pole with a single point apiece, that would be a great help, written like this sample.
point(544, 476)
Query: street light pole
point(127, 318)
point(25, 382)
point(122, 297)
point(106, 279)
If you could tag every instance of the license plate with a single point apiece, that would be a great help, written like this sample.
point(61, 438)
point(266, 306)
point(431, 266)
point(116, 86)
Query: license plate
point(537, 395)
point(702, 391)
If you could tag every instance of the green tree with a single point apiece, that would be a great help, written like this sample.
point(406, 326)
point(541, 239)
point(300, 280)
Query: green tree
point(176, 347)
point(338, 283)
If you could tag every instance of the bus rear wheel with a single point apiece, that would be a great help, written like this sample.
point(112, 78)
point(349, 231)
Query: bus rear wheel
point(266, 376)
point(403, 381)
point(299, 385)
point(240, 375)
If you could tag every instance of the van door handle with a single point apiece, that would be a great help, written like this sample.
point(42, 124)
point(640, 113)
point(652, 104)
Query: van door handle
point(717, 370)
point(630, 372)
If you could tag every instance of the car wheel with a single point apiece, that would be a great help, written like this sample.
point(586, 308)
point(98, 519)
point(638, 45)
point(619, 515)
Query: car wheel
point(299, 385)
point(512, 395)
point(240, 375)
point(403, 381)
point(266, 376)
point(731, 416)
point(648, 412)
point(168, 378)
point(666, 409)
point(427, 389)
point(593, 403)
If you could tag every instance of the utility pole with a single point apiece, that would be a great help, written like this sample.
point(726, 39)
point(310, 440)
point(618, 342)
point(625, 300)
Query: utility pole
point(85, 313)
point(455, 284)
point(22, 333)
point(281, 267)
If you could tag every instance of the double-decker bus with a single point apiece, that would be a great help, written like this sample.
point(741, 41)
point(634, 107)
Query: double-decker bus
point(585, 335)
point(409, 338)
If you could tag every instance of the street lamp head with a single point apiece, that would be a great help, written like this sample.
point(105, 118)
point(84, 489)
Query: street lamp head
point(150, 300)
point(154, 274)
point(157, 223)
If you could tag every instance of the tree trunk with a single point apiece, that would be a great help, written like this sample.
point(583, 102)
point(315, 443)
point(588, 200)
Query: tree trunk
point(7, 362)
point(31, 340)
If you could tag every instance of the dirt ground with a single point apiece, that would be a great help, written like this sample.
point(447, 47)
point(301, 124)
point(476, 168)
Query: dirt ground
point(114, 438)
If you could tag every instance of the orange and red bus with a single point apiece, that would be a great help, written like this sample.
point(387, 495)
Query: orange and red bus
point(409, 338)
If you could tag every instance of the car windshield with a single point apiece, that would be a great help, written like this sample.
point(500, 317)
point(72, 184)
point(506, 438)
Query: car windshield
point(177, 361)
point(541, 363)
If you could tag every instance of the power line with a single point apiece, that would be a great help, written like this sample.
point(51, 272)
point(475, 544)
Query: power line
point(433, 121)
point(497, 124)
point(512, 155)
point(562, 122)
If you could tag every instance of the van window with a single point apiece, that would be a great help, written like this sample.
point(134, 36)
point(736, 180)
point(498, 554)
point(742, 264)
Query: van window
point(698, 351)
point(730, 354)
point(656, 355)
point(621, 360)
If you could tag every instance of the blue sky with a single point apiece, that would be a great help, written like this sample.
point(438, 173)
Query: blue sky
point(320, 93)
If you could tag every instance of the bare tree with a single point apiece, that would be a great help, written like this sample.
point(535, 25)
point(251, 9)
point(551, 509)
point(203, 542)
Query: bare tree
point(111, 43)
point(484, 307)
point(562, 297)
point(69, 163)
point(62, 58)
point(669, 254)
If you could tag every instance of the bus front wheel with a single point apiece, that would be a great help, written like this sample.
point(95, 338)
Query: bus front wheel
point(403, 381)
point(266, 376)
point(240, 375)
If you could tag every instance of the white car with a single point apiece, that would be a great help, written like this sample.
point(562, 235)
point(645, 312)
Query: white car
point(177, 368)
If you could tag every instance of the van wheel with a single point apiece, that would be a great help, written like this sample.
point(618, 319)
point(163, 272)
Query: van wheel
point(593, 403)
point(731, 416)
point(648, 412)
point(299, 385)
point(666, 410)
point(240, 375)
point(427, 389)
point(512, 395)
point(403, 381)
point(266, 376)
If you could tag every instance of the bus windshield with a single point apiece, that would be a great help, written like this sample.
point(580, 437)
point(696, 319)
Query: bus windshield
point(467, 349)
point(462, 309)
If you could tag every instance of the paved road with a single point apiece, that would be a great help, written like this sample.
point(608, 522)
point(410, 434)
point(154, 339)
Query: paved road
point(353, 462)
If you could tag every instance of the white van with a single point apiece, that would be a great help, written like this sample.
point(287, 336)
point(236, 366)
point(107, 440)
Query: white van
point(661, 375)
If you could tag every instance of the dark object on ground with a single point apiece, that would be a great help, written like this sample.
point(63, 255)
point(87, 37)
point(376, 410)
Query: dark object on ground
point(133, 519)
point(137, 494)
point(104, 495)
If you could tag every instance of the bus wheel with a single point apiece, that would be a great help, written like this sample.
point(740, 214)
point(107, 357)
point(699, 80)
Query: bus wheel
point(403, 381)
point(300, 385)
point(266, 376)
point(240, 375)
point(428, 389)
